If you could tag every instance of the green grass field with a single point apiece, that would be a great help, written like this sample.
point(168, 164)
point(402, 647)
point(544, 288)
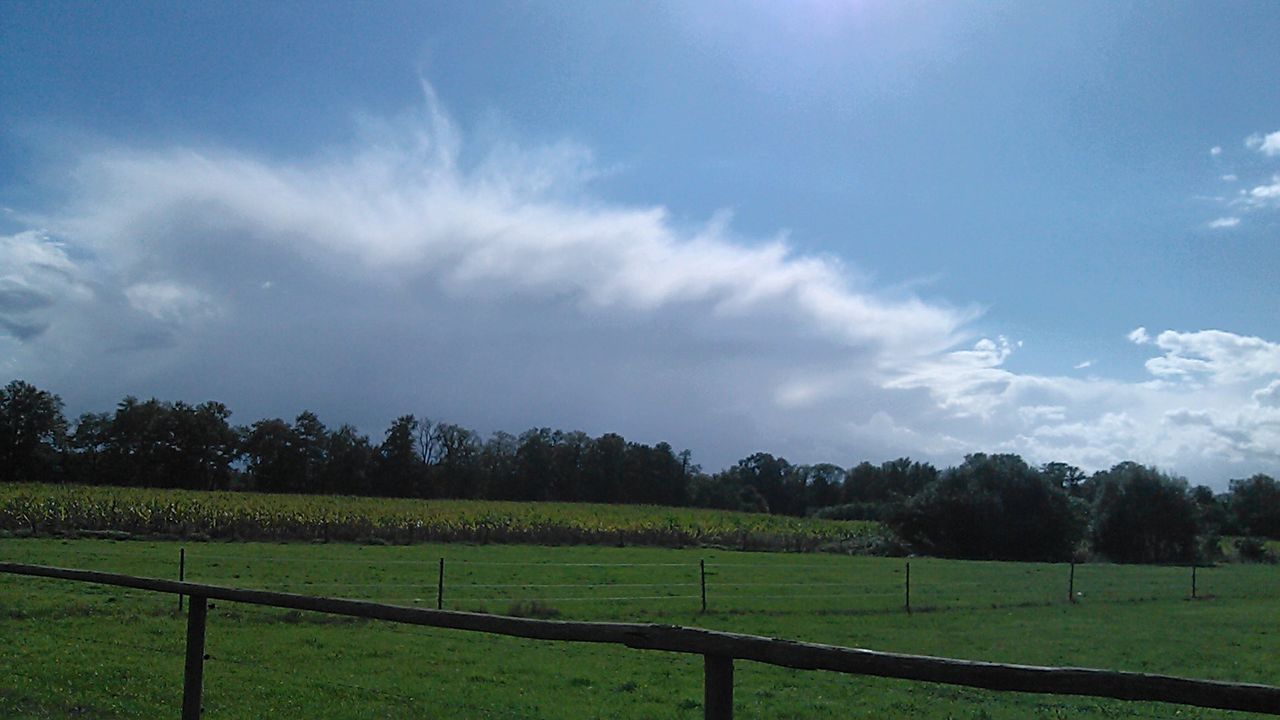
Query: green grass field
point(75, 650)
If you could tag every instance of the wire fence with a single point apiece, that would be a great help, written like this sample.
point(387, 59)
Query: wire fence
point(739, 586)
point(729, 584)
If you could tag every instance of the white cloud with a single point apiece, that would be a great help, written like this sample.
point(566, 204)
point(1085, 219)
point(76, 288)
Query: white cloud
point(1268, 396)
point(1215, 150)
point(1082, 365)
point(502, 294)
point(1264, 194)
point(1268, 144)
point(1229, 177)
point(1225, 222)
point(168, 301)
point(1218, 356)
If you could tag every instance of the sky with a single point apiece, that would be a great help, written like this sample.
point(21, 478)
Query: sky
point(832, 230)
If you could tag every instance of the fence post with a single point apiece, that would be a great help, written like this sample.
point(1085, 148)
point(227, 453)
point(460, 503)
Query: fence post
point(908, 588)
point(1071, 584)
point(702, 568)
point(440, 588)
point(193, 676)
point(182, 572)
point(717, 695)
point(1193, 581)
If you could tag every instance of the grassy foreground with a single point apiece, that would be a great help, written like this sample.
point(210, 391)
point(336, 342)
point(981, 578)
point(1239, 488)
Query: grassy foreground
point(42, 510)
point(75, 650)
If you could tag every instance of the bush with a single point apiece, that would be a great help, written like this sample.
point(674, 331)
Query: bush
point(852, 511)
point(991, 508)
point(1253, 549)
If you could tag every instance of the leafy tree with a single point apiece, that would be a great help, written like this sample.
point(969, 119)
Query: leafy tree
point(653, 475)
point(32, 432)
point(498, 466)
point(398, 468)
point(271, 453)
point(140, 444)
point(348, 463)
point(458, 470)
point(604, 469)
point(890, 482)
point(1256, 505)
point(88, 443)
point(311, 451)
point(822, 484)
point(535, 458)
point(1062, 475)
point(775, 480)
point(1142, 515)
point(991, 507)
point(202, 445)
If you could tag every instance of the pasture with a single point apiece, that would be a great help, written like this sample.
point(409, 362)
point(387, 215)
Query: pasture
point(81, 650)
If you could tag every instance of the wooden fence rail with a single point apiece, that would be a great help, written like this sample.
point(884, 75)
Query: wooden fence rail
point(719, 650)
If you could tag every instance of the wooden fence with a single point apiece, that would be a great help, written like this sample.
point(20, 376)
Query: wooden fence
point(719, 650)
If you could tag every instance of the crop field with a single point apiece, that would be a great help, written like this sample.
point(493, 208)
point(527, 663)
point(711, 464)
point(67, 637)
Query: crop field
point(73, 650)
point(34, 509)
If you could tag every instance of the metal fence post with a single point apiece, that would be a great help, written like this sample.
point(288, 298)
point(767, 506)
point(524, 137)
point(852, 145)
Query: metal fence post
point(717, 696)
point(182, 572)
point(702, 569)
point(908, 589)
point(193, 677)
point(440, 587)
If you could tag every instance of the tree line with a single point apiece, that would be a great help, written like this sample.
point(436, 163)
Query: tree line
point(989, 506)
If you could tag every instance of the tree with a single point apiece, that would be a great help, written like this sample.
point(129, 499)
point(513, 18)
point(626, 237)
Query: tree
point(1142, 515)
point(88, 443)
point(348, 462)
point(32, 432)
point(1256, 505)
point(1062, 475)
point(822, 484)
point(398, 469)
point(776, 481)
point(271, 453)
point(457, 470)
point(991, 507)
point(604, 469)
point(311, 450)
point(498, 466)
point(139, 447)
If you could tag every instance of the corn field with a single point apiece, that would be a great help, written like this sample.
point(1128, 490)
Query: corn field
point(69, 510)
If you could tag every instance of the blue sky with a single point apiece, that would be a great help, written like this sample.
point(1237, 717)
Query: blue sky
point(831, 230)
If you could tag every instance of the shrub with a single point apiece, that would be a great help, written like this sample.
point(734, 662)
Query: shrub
point(1253, 549)
point(991, 508)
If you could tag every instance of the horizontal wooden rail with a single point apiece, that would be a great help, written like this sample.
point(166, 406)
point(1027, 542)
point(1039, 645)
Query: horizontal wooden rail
point(714, 644)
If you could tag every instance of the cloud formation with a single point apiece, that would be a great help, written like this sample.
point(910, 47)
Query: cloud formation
point(1268, 144)
point(392, 276)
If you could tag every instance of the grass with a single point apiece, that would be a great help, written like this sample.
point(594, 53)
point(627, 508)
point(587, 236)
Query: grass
point(87, 651)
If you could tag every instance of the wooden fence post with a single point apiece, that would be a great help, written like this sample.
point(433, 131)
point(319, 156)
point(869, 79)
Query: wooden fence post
point(193, 677)
point(908, 588)
point(717, 695)
point(702, 568)
point(440, 588)
point(1193, 581)
point(1071, 584)
point(182, 572)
